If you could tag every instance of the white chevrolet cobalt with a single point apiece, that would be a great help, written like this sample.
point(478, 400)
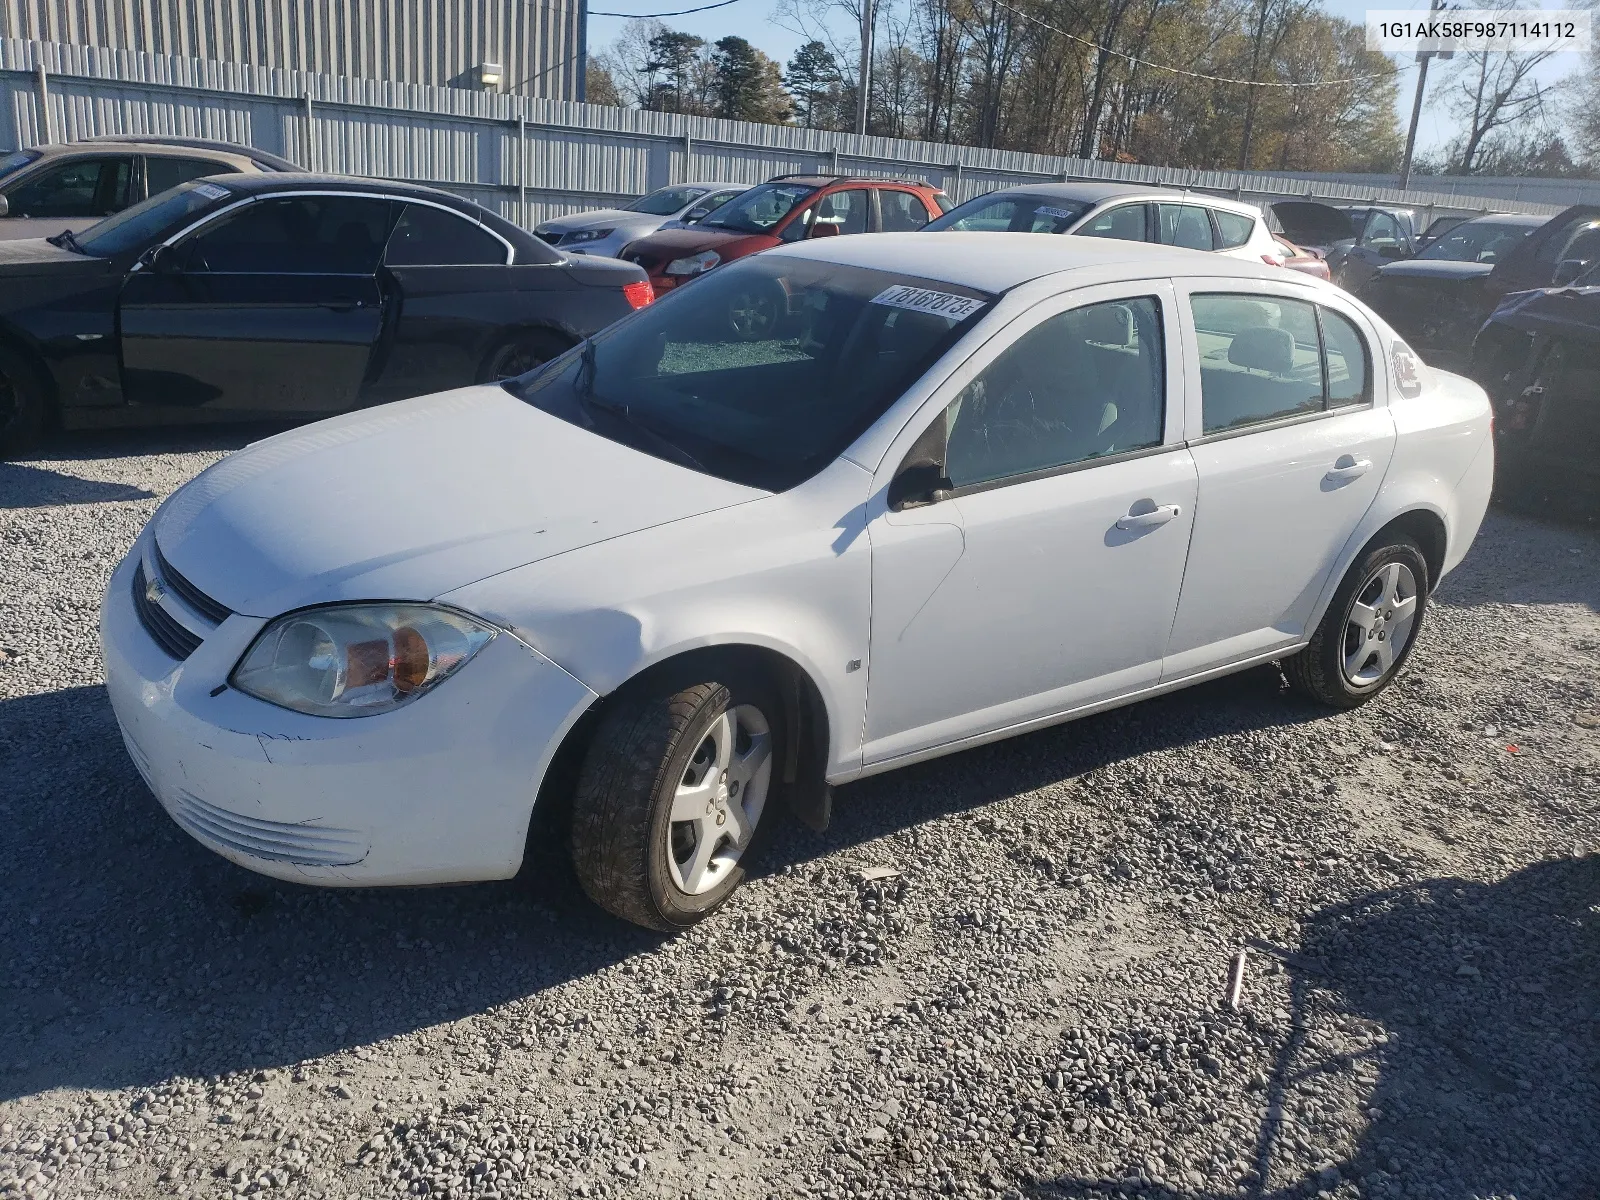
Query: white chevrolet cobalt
point(943, 491)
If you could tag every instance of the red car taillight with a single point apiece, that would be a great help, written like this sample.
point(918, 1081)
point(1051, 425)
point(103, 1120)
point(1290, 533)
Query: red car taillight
point(638, 293)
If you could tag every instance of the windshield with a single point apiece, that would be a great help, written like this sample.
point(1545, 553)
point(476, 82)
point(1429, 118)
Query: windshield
point(134, 228)
point(16, 160)
point(759, 209)
point(666, 201)
point(761, 372)
point(1477, 241)
point(1014, 212)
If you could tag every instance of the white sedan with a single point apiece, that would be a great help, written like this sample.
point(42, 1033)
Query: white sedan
point(952, 491)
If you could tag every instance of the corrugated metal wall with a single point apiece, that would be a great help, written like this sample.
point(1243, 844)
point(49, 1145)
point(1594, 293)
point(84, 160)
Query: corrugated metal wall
point(532, 158)
point(1492, 187)
point(433, 42)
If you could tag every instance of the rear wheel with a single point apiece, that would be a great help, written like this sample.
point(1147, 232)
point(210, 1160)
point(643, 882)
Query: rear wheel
point(521, 354)
point(1369, 629)
point(672, 794)
point(24, 404)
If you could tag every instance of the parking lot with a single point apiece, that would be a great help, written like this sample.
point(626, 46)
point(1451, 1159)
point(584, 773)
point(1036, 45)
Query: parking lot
point(998, 973)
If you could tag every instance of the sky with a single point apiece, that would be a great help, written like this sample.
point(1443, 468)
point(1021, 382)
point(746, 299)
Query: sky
point(753, 21)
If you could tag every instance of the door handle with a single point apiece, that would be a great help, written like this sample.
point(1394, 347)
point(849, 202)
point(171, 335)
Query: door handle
point(1159, 515)
point(1348, 467)
point(344, 304)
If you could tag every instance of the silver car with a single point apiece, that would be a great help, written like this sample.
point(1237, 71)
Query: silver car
point(605, 231)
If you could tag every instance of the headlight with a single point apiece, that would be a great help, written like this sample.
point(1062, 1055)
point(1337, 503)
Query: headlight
point(695, 264)
point(354, 660)
point(586, 235)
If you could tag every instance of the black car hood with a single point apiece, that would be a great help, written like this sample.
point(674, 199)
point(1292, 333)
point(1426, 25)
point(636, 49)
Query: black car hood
point(1311, 224)
point(1435, 268)
point(36, 256)
point(1571, 313)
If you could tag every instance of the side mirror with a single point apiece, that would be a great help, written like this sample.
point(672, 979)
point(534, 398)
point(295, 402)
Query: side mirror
point(155, 259)
point(1567, 270)
point(5, 207)
point(917, 484)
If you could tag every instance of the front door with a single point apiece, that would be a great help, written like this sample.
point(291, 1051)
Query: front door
point(1291, 449)
point(272, 309)
point(1043, 573)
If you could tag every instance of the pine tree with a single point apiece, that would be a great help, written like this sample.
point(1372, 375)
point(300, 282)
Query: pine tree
point(672, 52)
point(748, 85)
point(812, 76)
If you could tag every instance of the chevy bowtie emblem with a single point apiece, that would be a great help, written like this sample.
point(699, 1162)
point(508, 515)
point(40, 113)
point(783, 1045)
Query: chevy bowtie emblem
point(155, 591)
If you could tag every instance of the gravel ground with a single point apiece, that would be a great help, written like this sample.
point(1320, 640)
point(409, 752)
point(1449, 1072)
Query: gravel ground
point(998, 974)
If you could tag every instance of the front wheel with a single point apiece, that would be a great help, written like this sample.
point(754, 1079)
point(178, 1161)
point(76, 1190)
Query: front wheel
point(670, 798)
point(24, 406)
point(522, 354)
point(1369, 629)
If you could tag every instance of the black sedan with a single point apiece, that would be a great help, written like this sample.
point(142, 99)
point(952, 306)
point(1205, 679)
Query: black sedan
point(283, 296)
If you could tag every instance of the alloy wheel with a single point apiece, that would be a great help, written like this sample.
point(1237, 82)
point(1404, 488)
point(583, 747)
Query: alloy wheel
point(1379, 626)
point(719, 800)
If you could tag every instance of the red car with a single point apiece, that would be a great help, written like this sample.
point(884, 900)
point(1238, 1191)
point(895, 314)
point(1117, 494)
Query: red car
point(1287, 254)
point(784, 209)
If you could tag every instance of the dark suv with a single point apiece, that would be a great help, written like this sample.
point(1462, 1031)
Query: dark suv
point(786, 208)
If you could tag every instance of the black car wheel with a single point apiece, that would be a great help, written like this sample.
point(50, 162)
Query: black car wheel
point(753, 312)
point(23, 403)
point(522, 354)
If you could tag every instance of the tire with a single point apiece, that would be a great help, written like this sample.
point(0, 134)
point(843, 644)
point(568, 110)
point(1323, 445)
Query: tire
point(657, 744)
point(523, 353)
point(1339, 667)
point(24, 403)
point(756, 311)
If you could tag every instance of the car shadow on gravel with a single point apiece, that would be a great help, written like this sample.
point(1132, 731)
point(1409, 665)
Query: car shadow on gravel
point(1252, 700)
point(132, 954)
point(93, 444)
point(1489, 1081)
point(26, 486)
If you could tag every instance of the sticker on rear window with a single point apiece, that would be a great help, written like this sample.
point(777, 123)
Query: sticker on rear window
point(943, 304)
point(211, 191)
point(1066, 214)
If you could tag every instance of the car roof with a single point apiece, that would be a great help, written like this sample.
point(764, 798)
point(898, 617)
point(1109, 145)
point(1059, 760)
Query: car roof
point(261, 158)
point(711, 186)
point(853, 180)
point(1098, 192)
point(998, 262)
point(290, 181)
point(135, 145)
point(1505, 219)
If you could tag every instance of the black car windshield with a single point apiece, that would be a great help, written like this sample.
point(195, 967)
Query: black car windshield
point(759, 209)
point(761, 372)
point(1014, 212)
point(16, 160)
point(663, 202)
point(1477, 241)
point(134, 228)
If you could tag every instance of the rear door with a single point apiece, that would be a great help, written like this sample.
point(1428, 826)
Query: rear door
point(901, 211)
point(449, 279)
point(1291, 440)
point(271, 308)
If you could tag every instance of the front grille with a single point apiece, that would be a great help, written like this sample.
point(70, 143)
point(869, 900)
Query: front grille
point(187, 592)
point(172, 637)
point(278, 841)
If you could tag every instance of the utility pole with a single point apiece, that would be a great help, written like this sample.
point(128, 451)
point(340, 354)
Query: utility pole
point(864, 76)
point(1416, 104)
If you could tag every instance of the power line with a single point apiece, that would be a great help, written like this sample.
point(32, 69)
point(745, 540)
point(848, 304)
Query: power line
point(1193, 74)
point(682, 12)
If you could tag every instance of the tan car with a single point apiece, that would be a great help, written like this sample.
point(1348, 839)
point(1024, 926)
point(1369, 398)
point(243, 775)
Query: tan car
point(46, 189)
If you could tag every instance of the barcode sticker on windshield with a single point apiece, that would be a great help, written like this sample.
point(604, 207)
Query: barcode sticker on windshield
point(943, 304)
point(211, 191)
point(1065, 214)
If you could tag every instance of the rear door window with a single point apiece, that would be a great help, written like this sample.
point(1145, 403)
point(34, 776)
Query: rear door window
point(163, 173)
point(846, 211)
point(903, 212)
point(1233, 229)
point(1186, 225)
point(431, 237)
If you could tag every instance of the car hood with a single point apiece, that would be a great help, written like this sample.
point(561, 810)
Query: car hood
point(1307, 223)
point(411, 500)
point(1435, 268)
point(33, 256)
point(1571, 313)
point(602, 218)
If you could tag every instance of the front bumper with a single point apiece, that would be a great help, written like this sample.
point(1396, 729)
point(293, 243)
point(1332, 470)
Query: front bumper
point(439, 791)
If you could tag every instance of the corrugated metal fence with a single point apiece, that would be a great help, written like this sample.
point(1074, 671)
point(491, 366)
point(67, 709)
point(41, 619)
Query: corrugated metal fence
point(531, 158)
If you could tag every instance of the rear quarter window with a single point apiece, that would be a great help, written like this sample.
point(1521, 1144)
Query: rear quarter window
point(1233, 229)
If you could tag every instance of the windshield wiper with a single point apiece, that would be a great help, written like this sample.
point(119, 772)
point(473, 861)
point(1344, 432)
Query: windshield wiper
point(67, 240)
point(584, 386)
